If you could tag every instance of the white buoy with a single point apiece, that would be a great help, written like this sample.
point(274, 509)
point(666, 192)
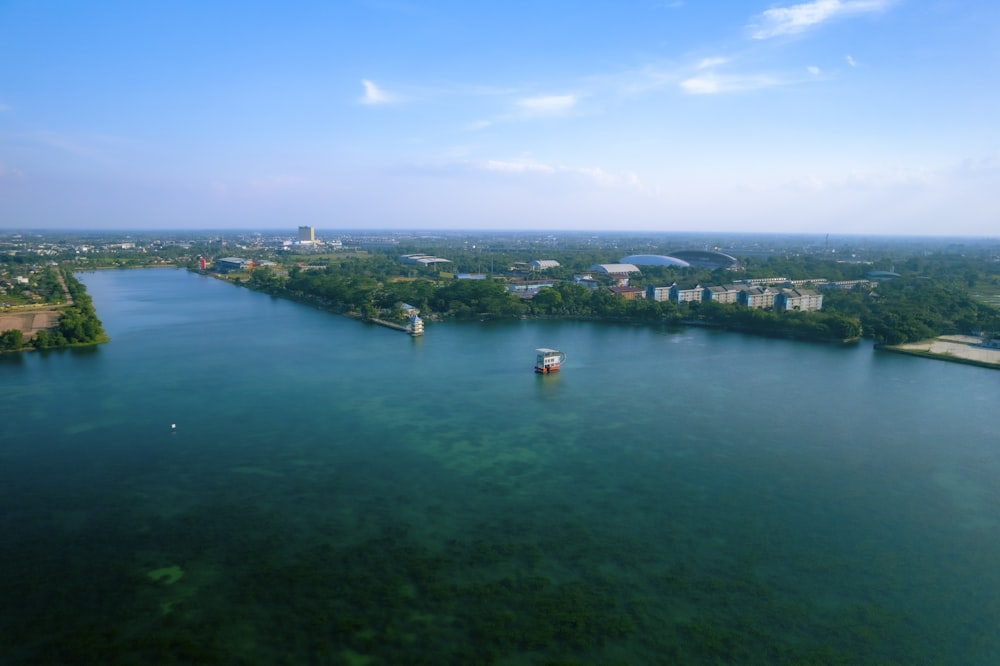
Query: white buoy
point(173, 426)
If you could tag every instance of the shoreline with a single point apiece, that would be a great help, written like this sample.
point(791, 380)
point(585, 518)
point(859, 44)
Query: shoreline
point(965, 349)
point(954, 348)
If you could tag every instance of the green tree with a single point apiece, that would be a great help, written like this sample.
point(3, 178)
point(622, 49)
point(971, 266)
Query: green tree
point(11, 339)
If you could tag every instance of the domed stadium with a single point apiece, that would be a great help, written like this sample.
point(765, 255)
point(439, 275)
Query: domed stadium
point(654, 260)
point(706, 259)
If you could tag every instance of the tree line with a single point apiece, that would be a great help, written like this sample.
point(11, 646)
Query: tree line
point(912, 307)
point(78, 324)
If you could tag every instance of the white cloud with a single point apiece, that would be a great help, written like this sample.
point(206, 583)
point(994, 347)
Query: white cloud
point(812, 69)
point(478, 125)
point(866, 179)
point(550, 105)
point(374, 95)
point(851, 61)
point(798, 18)
point(518, 167)
point(594, 174)
point(701, 85)
point(708, 63)
point(714, 84)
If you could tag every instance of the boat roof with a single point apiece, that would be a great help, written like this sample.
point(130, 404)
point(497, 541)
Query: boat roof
point(546, 350)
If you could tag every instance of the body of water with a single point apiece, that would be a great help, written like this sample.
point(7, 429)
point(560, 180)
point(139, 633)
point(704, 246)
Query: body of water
point(238, 479)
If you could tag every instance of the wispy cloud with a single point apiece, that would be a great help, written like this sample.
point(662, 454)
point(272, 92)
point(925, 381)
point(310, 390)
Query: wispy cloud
point(707, 76)
point(374, 95)
point(865, 179)
point(851, 61)
point(549, 105)
point(984, 166)
point(594, 174)
point(708, 63)
point(701, 85)
point(814, 70)
point(68, 144)
point(5, 107)
point(714, 84)
point(477, 125)
point(798, 18)
point(520, 166)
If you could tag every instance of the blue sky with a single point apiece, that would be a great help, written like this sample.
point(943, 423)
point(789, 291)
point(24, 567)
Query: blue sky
point(829, 116)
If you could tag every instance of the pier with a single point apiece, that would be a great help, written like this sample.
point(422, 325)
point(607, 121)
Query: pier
point(414, 328)
point(389, 324)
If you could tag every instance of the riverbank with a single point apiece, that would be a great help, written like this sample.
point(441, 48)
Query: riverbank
point(73, 323)
point(30, 319)
point(966, 349)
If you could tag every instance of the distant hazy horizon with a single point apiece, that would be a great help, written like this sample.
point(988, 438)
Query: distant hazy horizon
point(333, 233)
point(854, 117)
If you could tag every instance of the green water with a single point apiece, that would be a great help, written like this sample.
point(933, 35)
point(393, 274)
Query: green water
point(336, 493)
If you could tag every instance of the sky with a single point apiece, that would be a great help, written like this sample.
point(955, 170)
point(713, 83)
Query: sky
point(825, 116)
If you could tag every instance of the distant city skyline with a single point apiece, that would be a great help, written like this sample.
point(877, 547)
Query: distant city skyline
point(832, 116)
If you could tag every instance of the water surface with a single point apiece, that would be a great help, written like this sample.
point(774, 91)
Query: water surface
point(338, 493)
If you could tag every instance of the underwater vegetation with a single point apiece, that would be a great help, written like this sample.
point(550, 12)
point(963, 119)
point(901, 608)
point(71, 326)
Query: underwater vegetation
point(226, 586)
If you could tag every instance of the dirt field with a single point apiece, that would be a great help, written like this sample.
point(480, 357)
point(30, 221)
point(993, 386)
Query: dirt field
point(951, 347)
point(34, 318)
point(30, 322)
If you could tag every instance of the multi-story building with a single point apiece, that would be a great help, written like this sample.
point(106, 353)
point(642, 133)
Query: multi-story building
point(307, 235)
point(756, 297)
point(680, 294)
point(658, 293)
point(726, 293)
point(796, 298)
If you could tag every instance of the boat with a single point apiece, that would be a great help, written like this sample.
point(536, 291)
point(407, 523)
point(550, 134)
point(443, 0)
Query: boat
point(548, 360)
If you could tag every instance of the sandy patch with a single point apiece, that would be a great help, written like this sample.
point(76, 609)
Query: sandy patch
point(960, 346)
point(30, 322)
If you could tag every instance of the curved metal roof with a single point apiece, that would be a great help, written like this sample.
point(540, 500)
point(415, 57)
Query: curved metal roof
point(654, 260)
point(706, 258)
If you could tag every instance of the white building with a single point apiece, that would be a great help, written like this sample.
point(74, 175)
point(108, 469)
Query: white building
point(797, 298)
point(615, 269)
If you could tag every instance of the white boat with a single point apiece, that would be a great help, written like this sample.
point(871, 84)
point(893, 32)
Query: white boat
point(548, 360)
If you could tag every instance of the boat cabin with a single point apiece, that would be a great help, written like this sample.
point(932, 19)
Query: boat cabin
point(548, 360)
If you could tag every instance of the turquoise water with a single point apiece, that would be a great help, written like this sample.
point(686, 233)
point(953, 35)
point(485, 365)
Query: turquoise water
point(338, 493)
